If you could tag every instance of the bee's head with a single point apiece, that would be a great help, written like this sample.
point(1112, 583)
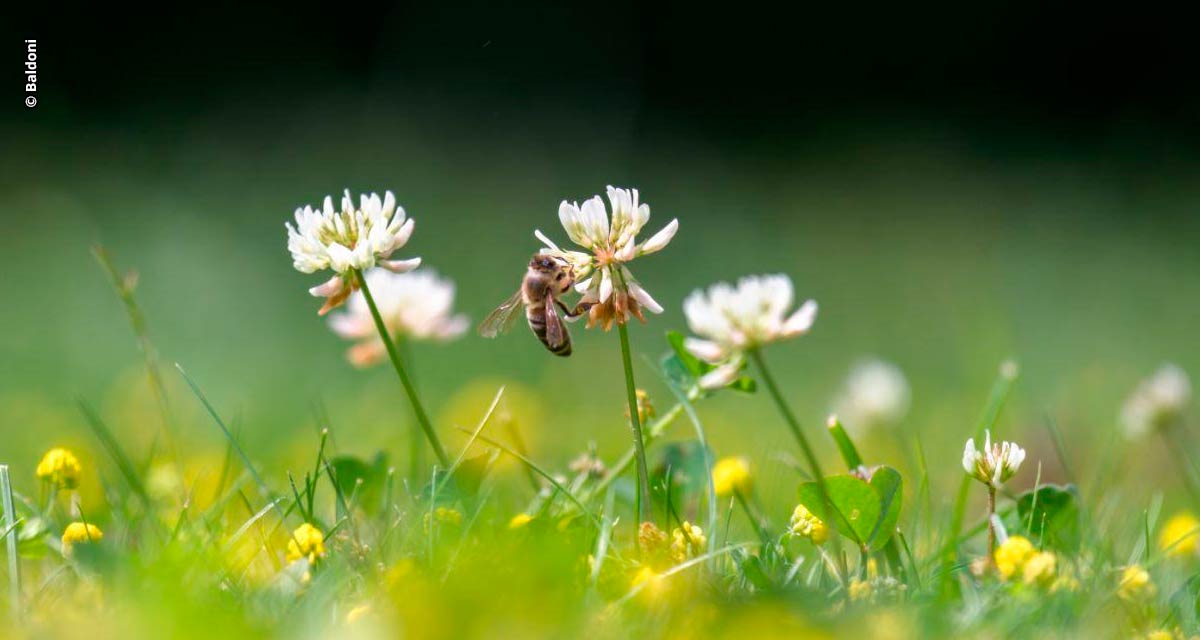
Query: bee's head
point(546, 263)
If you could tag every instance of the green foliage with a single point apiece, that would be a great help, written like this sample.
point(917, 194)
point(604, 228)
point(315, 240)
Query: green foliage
point(864, 511)
point(1051, 516)
point(685, 370)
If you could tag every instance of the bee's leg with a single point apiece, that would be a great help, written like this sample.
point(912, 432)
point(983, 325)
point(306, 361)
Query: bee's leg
point(574, 314)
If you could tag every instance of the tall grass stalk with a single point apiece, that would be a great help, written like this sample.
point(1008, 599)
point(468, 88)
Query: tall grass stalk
point(10, 531)
point(124, 287)
point(635, 424)
point(405, 381)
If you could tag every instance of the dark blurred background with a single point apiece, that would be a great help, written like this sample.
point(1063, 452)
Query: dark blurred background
point(956, 183)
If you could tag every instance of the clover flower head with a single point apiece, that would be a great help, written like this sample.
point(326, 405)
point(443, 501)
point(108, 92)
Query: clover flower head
point(603, 278)
point(343, 240)
point(687, 541)
point(732, 320)
point(876, 394)
point(732, 475)
point(1180, 536)
point(80, 533)
point(417, 305)
point(1157, 402)
point(805, 524)
point(995, 464)
point(307, 542)
point(60, 468)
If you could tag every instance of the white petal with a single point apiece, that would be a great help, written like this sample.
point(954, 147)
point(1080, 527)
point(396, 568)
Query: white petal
point(537, 233)
point(327, 288)
point(400, 266)
point(644, 298)
point(968, 459)
point(721, 376)
point(802, 320)
point(606, 286)
point(706, 350)
point(660, 239)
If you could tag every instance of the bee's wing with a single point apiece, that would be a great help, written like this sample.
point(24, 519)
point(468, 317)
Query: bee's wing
point(556, 333)
point(500, 319)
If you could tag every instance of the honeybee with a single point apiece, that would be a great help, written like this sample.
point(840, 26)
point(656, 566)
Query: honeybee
point(546, 278)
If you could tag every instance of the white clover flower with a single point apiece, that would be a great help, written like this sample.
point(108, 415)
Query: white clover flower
point(417, 305)
point(348, 239)
point(1157, 402)
point(876, 394)
point(733, 320)
point(995, 464)
point(603, 278)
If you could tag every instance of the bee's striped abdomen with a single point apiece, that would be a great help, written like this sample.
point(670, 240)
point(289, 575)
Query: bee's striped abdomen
point(537, 323)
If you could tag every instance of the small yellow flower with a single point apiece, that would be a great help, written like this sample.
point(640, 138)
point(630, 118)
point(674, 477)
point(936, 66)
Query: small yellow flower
point(687, 541)
point(60, 468)
point(357, 613)
point(1180, 536)
point(445, 516)
point(307, 542)
point(520, 520)
point(1066, 583)
point(1040, 568)
point(860, 590)
point(653, 544)
point(80, 533)
point(806, 525)
point(1012, 554)
point(644, 408)
point(1135, 584)
point(730, 475)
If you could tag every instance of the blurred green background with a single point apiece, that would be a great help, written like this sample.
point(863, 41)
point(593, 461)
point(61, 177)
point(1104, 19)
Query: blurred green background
point(953, 192)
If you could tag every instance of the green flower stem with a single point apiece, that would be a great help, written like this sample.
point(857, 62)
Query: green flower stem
point(635, 424)
point(652, 432)
point(422, 418)
point(991, 526)
point(794, 425)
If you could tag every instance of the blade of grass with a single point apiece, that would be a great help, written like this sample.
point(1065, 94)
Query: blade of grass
point(543, 473)
point(113, 447)
point(10, 526)
point(262, 486)
point(124, 287)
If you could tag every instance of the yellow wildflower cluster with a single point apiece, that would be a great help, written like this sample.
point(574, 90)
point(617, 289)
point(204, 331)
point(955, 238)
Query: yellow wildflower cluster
point(875, 588)
point(644, 408)
point(732, 475)
point(60, 468)
point(1135, 584)
point(1180, 536)
point(308, 542)
point(445, 516)
point(1017, 558)
point(687, 541)
point(80, 533)
point(806, 525)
